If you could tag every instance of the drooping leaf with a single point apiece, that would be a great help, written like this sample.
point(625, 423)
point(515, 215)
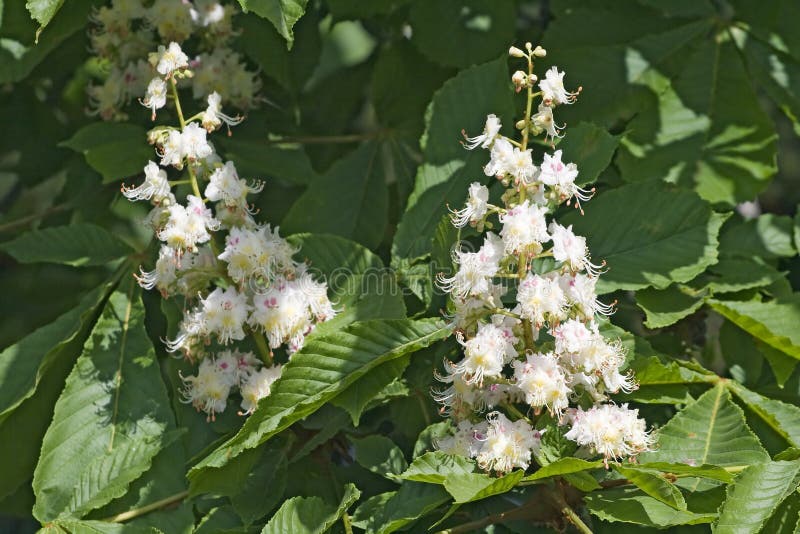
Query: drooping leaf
point(702, 471)
point(654, 485)
point(111, 419)
point(664, 307)
point(634, 506)
point(389, 512)
point(477, 31)
point(43, 11)
point(79, 245)
point(757, 493)
point(767, 236)
point(116, 150)
point(309, 515)
point(590, 147)
point(774, 322)
point(783, 418)
point(283, 14)
point(357, 397)
point(564, 466)
point(434, 467)
point(462, 103)
point(469, 487)
point(664, 383)
point(648, 244)
point(324, 367)
point(380, 455)
point(712, 430)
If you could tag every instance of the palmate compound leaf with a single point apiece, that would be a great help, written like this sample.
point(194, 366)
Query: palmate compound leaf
point(79, 245)
point(756, 495)
point(111, 419)
point(309, 515)
point(712, 430)
point(649, 235)
point(327, 365)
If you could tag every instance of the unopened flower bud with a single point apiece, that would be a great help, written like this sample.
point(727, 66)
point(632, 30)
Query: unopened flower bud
point(539, 52)
point(515, 52)
point(528, 46)
point(520, 125)
point(533, 79)
point(520, 80)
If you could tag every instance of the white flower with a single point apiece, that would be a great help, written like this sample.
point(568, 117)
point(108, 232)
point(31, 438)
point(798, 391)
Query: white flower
point(571, 337)
point(171, 150)
point(172, 19)
point(316, 294)
point(170, 59)
point(615, 432)
point(544, 120)
point(155, 186)
point(490, 132)
point(164, 273)
point(188, 226)
point(540, 299)
point(476, 208)
point(524, 228)
point(543, 382)
point(209, 390)
point(468, 310)
point(475, 269)
point(520, 165)
point(206, 13)
point(466, 441)
point(283, 313)
point(571, 249)
point(257, 386)
point(500, 158)
point(486, 353)
point(261, 252)
point(224, 314)
point(561, 177)
point(213, 116)
point(225, 185)
point(194, 144)
point(156, 95)
point(580, 292)
point(552, 87)
point(507, 444)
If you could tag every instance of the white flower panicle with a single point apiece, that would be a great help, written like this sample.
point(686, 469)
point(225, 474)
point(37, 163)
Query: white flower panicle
point(239, 284)
point(547, 351)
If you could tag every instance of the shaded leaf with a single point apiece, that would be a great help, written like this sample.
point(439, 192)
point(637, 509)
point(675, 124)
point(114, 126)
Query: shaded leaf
point(283, 14)
point(116, 150)
point(774, 322)
point(79, 245)
point(312, 515)
point(654, 485)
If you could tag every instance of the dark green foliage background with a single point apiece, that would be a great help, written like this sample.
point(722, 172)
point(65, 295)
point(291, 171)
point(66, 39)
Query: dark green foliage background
point(689, 108)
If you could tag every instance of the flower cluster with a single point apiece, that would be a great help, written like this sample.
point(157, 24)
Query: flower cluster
point(238, 280)
point(122, 34)
point(540, 345)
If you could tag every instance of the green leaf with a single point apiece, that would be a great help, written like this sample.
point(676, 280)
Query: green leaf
point(733, 274)
point(109, 422)
point(590, 147)
point(116, 150)
point(42, 11)
point(785, 518)
point(97, 527)
point(463, 102)
point(357, 182)
point(774, 322)
point(357, 397)
point(712, 430)
point(563, 466)
point(767, 236)
point(701, 471)
point(664, 383)
point(257, 159)
point(783, 418)
point(664, 307)
point(380, 455)
point(389, 512)
point(23, 364)
point(309, 515)
point(324, 367)
point(756, 494)
point(281, 13)
point(648, 243)
point(634, 506)
point(654, 485)
point(477, 31)
point(79, 245)
point(469, 487)
point(434, 467)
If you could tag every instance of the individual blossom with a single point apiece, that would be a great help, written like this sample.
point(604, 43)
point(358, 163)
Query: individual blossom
point(581, 294)
point(256, 252)
point(571, 249)
point(543, 120)
point(188, 226)
point(614, 432)
point(467, 440)
point(552, 87)
point(194, 145)
point(256, 386)
point(486, 353)
point(282, 312)
point(171, 150)
point(225, 185)
point(208, 391)
point(500, 160)
point(520, 166)
point(543, 382)
point(476, 208)
point(561, 178)
point(213, 116)
point(156, 96)
point(224, 314)
point(524, 228)
point(571, 337)
point(507, 445)
point(490, 132)
point(171, 58)
point(541, 299)
point(155, 187)
point(163, 275)
point(475, 269)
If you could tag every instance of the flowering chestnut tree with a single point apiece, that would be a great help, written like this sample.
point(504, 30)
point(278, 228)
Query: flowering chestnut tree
point(399, 265)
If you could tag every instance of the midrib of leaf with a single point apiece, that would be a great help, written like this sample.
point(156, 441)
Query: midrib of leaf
point(714, 409)
point(118, 384)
